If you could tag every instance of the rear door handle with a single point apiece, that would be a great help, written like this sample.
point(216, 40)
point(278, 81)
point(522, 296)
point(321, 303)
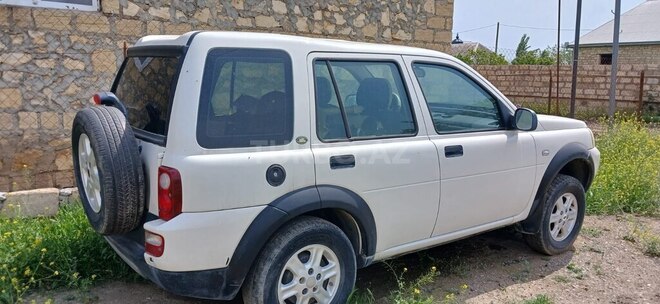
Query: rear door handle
point(342, 161)
point(453, 151)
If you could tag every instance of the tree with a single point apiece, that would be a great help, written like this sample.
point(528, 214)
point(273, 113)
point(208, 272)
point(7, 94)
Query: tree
point(482, 57)
point(533, 57)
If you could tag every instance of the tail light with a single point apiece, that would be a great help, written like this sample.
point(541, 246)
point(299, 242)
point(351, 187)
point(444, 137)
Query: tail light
point(154, 244)
point(169, 193)
point(97, 99)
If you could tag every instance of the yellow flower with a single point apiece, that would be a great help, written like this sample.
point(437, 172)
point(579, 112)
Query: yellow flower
point(93, 276)
point(27, 272)
point(44, 250)
point(433, 268)
point(417, 291)
point(51, 263)
point(464, 286)
point(405, 269)
point(56, 272)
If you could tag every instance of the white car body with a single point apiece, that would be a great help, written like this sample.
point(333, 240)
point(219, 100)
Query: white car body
point(418, 197)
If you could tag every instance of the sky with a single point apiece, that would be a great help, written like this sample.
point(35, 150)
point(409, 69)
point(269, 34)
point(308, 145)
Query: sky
point(536, 18)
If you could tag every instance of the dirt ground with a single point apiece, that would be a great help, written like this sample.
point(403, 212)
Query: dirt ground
point(496, 267)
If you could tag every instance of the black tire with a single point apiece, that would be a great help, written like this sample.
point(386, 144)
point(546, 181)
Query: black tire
point(542, 241)
point(263, 280)
point(121, 179)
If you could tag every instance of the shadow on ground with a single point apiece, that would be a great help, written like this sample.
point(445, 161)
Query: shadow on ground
point(456, 262)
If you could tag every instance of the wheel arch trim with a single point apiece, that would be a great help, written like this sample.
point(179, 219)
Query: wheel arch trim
point(568, 153)
point(288, 207)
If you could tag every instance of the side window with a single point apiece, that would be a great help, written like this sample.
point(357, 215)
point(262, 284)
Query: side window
point(246, 99)
point(456, 102)
point(361, 99)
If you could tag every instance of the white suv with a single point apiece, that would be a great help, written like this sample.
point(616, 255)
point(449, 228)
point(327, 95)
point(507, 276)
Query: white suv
point(279, 165)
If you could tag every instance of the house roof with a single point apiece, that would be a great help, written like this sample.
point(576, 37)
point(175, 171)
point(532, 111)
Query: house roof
point(462, 48)
point(640, 25)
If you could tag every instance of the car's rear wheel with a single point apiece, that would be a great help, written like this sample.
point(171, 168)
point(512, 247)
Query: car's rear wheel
point(562, 216)
point(309, 260)
point(108, 170)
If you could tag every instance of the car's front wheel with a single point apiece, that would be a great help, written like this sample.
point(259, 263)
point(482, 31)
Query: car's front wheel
point(561, 220)
point(309, 260)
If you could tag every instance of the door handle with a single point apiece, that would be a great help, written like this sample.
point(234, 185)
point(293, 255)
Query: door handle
point(342, 161)
point(453, 151)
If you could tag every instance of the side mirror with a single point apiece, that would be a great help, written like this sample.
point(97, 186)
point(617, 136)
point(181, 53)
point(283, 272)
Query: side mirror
point(525, 120)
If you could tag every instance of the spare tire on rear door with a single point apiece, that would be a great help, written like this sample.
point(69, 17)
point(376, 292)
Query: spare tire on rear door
point(108, 170)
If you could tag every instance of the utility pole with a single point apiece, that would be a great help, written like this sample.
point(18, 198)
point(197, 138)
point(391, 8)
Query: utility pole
point(497, 37)
point(576, 49)
point(615, 60)
point(558, 41)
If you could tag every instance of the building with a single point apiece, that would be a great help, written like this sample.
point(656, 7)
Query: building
point(639, 38)
point(466, 46)
point(54, 55)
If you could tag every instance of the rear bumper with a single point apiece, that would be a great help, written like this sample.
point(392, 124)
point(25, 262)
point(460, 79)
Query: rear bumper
point(206, 284)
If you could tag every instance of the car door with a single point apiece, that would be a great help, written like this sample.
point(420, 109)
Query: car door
point(370, 140)
point(487, 170)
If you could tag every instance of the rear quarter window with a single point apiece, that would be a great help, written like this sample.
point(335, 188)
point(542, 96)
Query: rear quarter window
point(145, 87)
point(246, 99)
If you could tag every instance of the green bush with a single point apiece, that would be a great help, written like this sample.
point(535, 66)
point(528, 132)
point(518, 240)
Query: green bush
point(629, 176)
point(63, 251)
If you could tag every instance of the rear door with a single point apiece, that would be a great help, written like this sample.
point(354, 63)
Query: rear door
point(145, 86)
point(370, 140)
point(487, 170)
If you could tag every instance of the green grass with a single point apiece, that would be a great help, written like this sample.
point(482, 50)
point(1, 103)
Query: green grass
point(48, 253)
point(591, 232)
point(629, 177)
point(540, 299)
point(359, 296)
point(646, 239)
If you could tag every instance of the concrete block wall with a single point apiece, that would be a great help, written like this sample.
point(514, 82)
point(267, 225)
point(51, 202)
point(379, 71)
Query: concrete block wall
point(53, 61)
point(521, 82)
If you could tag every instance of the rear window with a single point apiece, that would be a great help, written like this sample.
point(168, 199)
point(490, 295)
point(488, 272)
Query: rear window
point(246, 99)
point(145, 87)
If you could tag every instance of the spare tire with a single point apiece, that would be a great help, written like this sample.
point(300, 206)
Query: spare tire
point(108, 170)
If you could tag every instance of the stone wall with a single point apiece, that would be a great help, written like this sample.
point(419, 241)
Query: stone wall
point(531, 83)
point(52, 61)
point(628, 54)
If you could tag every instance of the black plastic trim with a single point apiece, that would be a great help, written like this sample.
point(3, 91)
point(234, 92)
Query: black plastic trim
point(205, 284)
point(156, 51)
point(565, 155)
point(290, 206)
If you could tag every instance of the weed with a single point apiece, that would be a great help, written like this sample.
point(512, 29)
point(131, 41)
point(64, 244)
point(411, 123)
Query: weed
point(595, 250)
point(361, 297)
point(540, 299)
point(577, 272)
point(411, 292)
point(628, 180)
point(598, 269)
point(592, 232)
point(561, 279)
point(647, 240)
point(63, 251)
point(522, 274)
